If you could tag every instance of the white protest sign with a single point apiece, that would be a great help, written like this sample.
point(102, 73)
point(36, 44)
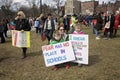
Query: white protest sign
point(80, 47)
point(20, 39)
point(58, 53)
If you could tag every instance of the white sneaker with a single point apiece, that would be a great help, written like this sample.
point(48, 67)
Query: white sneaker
point(97, 38)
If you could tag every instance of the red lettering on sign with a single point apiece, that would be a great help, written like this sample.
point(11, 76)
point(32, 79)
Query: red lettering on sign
point(47, 48)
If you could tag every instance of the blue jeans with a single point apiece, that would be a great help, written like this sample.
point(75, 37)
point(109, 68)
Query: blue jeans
point(41, 31)
point(92, 26)
point(49, 34)
point(97, 33)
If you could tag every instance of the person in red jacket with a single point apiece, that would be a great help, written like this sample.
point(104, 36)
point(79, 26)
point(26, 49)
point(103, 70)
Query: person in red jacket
point(117, 23)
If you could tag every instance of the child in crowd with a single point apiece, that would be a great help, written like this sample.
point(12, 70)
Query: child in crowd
point(57, 38)
point(78, 31)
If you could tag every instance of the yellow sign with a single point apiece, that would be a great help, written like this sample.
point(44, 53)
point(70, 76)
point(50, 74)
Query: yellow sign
point(21, 39)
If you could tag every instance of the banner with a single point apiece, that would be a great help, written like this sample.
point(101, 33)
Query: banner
point(80, 47)
point(58, 53)
point(20, 39)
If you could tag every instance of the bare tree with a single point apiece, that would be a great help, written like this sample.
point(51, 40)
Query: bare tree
point(16, 6)
point(32, 2)
point(6, 3)
point(58, 4)
point(5, 7)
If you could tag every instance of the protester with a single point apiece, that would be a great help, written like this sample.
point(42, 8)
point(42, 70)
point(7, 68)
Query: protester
point(99, 25)
point(106, 24)
point(1, 32)
point(5, 22)
point(112, 22)
point(78, 31)
point(63, 34)
point(66, 22)
point(41, 23)
point(74, 20)
point(49, 27)
point(109, 22)
point(57, 38)
point(22, 24)
point(93, 23)
point(117, 23)
point(37, 24)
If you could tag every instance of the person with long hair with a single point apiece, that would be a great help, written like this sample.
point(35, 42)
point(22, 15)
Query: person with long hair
point(22, 24)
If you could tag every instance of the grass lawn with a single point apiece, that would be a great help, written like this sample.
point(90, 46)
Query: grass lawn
point(104, 61)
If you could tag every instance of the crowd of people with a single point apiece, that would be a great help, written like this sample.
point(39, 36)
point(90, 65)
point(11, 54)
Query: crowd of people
point(57, 29)
point(108, 23)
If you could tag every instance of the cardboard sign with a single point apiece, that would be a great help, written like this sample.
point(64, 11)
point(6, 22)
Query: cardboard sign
point(58, 53)
point(20, 39)
point(80, 47)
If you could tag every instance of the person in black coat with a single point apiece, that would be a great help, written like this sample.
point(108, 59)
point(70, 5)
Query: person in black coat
point(5, 22)
point(22, 24)
point(112, 21)
point(109, 31)
point(49, 27)
point(99, 24)
point(1, 33)
point(66, 22)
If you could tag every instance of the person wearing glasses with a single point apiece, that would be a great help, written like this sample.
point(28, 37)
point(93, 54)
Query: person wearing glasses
point(22, 24)
point(63, 34)
point(57, 38)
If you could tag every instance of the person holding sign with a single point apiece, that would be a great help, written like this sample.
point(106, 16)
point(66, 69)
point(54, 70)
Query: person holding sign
point(63, 34)
point(22, 24)
point(57, 38)
point(78, 31)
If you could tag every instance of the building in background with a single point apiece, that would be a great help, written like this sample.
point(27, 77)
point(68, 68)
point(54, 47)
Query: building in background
point(90, 7)
point(72, 7)
point(110, 7)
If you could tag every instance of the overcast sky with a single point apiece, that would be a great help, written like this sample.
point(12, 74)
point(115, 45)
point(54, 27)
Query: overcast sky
point(48, 1)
